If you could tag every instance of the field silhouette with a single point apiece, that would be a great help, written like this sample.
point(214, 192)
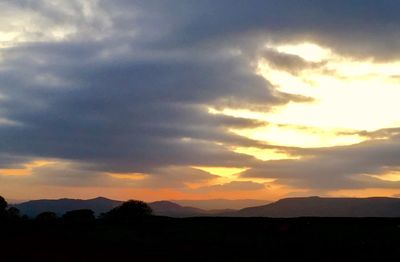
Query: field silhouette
point(130, 232)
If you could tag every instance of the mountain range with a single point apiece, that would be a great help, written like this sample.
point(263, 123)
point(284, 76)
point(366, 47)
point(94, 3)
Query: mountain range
point(60, 206)
point(101, 205)
point(210, 204)
point(326, 207)
point(288, 207)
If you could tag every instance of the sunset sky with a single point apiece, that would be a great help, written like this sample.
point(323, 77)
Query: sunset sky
point(190, 99)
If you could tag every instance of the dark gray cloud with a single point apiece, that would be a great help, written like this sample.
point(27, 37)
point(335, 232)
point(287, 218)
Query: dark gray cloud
point(123, 110)
point(71, 174)
point(12, 161)
point(289, 63)
point(116, 105)
point(355, 28)
point(126, 86)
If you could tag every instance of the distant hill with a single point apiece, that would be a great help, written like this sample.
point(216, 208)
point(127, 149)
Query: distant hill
point(289, 207)
point(325, 207)
point(167, 208)
point(60, 206)
point(217, 204)
point(100, 205)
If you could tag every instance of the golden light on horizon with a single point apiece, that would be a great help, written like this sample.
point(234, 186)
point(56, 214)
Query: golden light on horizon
point(225, 175)
point(392, 176)
point(129, 176)
point(221, 171)
point(364, 192)
point(26, 169)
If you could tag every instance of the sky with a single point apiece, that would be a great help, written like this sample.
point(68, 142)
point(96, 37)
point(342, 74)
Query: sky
point(202, 99)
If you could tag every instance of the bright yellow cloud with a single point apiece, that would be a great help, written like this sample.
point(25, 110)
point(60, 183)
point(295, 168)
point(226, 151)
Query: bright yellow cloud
point(297, 137)
point(228, 174)
point(221, 171)
point(348, 96)
point(308, 51)
point(358, 95)
point(129, 176)
point(392, 176)
point(264, 154)
point(6, 38)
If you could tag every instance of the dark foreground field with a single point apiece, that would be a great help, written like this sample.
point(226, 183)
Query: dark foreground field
point(202, 239)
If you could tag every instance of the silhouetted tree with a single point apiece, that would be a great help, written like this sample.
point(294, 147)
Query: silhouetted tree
point(46, 217)
point(3, 206)
point(129, 210)
point(79, 216)
point(13, 213)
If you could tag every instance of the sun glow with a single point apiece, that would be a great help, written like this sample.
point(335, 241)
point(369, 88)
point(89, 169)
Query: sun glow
point(392, 176)
point(298, 137)
point(346, 96)
point(6, 38)
point(265, 154)
point(334, 101)
point(228, 174)
point(221, 171)
point(129, 176)
point(308, 51)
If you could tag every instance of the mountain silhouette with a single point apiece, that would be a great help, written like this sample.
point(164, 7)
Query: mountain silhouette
point(101, 205)
point(61, 206)
point(220, 204)
point(288, 207)
point(325, 207)
point(167, 208)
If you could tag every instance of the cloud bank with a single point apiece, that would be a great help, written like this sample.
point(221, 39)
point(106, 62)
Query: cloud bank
point(125, 87)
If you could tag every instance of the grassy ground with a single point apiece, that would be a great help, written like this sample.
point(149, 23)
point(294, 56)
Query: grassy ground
point(202, 239)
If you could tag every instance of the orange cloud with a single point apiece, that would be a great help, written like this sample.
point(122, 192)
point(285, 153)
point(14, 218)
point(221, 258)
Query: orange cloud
point(26, 169)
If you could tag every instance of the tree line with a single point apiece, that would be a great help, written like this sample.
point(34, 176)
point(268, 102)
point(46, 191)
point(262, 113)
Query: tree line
point(127, 211)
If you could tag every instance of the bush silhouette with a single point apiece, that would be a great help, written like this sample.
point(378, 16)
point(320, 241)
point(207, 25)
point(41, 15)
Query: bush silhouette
point(3, 204)
point(79, 216)
point(46, 216)
point(13, 213)
point(129, 210)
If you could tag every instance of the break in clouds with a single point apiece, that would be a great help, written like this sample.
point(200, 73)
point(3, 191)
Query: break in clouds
point(125, 87)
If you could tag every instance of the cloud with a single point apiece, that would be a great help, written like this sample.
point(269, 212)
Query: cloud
point(354, 28)
point(119, 106)
point(125, 86)
point(232, 186)
point(70, 174)
point(344, 167)
point(289, 63)
point(12, 161)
